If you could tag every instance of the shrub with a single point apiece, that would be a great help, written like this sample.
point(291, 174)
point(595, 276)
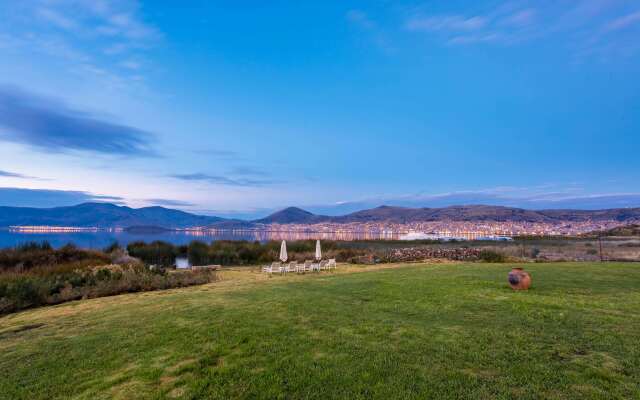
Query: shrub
point(198, 253)
point(33, 246)
point(157, 252)
point(535, 252)
point(35, 274)
point(103, 274)
point(492, 256)
point(20, 291)
point(112, 247)
point(33, 255)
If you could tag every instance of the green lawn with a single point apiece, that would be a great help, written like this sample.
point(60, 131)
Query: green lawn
point(422, 331)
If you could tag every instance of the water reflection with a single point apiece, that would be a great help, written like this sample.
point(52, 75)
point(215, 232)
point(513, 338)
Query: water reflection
point(264, 235)
point(98, 239)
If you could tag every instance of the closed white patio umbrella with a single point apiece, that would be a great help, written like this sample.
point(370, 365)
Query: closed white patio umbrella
point(283, 252)
point(318, 251)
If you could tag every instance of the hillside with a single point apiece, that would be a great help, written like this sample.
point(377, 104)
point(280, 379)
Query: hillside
point(471, 213)
point(291, 215)
point(102, 215)
point(627, 230)
point(454, 213)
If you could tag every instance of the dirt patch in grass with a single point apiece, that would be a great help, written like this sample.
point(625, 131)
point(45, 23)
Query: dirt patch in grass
point(480, 373)
point(176, 392)
point(176, 368)
point(133, 389)
point(167, 380)
point(19, 329)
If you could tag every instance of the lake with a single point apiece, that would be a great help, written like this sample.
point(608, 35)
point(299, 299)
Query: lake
point(101, 239)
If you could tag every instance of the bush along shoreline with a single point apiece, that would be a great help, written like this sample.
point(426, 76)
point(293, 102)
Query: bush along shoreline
point(35, 274)
point(227, 252)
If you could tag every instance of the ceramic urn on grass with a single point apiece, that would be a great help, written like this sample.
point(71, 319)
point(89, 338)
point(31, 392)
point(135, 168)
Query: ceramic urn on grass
point(519, 279)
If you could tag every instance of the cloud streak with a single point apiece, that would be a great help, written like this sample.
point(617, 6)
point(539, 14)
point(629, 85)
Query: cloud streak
point(8, 174)
point(361, 19)
point(446, 23)
point(587, 26)
point(170, 202)
point(363, 22)
point(116, 19)
point(223, 180)
point(49, 125)
point(624, 22)
point(247, 170)
point(99, 40)
point(19, 197)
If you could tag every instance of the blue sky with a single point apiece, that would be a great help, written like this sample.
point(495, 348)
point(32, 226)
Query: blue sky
point(237, 108)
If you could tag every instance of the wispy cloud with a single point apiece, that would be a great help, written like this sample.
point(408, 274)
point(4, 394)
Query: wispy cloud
point(49, 125)
point(246, 170)
point(585, 26)
point(114, 19)
point(497, 25)
point(124, 24)
point(7, 174)
point(375, 33)
point(55, 18)
point(224, 180)
point(624, 22)
point(170, 202)
point(82, 33)
point(219, 153)
point(130, 64)
point(479, 38)
point(19, 197)
point(446, 23)
point(521, 18)
point(361, 19)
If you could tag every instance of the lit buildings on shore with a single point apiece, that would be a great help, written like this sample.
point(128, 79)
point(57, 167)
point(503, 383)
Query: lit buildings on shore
point(59, 229)
point(378, 230)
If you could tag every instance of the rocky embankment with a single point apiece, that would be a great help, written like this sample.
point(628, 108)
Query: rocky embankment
point(422, 253)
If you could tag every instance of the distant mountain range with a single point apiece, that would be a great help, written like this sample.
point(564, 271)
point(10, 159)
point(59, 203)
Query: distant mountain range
point(471, 213)
point(107, 215)
point(102, 215)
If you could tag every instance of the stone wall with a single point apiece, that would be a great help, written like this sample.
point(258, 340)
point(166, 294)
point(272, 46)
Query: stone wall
point(424, 253)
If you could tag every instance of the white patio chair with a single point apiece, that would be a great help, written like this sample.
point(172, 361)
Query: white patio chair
point(279, 267)
point(292, 267)
point(324, 265)
point(331, 264)
point(268, 269)
point(307, 266)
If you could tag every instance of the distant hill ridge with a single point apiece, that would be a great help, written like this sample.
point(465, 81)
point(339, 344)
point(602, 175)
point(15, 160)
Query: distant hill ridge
point(106, 215)
point(626, 230)
point(291, 215)
point(470, 213)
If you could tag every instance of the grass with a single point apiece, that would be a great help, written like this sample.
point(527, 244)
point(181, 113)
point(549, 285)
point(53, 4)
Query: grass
point(441, 331)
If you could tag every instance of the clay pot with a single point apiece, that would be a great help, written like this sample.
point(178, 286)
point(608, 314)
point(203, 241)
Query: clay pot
point(519, 279)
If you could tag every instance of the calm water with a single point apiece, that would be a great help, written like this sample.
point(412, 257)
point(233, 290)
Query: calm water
point(101, 239)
